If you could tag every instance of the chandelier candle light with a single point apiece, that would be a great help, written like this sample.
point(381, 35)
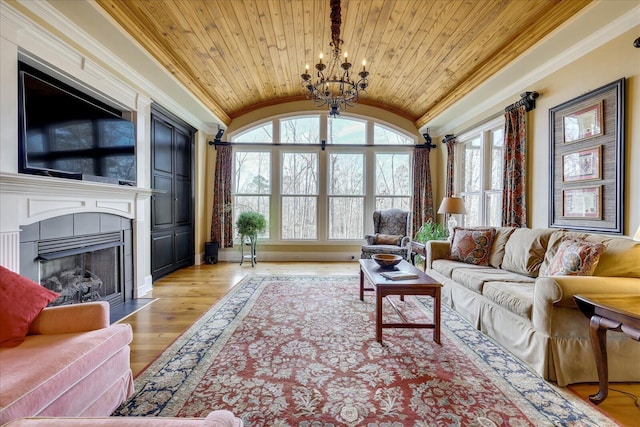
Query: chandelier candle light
point(334, 85)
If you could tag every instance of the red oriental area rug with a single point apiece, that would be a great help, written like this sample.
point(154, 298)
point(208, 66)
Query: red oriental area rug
point(301, 351)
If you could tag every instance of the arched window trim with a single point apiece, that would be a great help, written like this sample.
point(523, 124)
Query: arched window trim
point(275, 120)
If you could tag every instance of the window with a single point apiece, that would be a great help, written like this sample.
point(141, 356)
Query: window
point(252, 184)
point(346, 131)
point(313, 194)
point(393, 181)
point(346, 195)
point(302, 130)
point(479, 173)
point(299, 196)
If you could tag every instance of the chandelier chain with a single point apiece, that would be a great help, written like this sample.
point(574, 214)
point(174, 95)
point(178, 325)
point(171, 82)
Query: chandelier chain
point(334, 87)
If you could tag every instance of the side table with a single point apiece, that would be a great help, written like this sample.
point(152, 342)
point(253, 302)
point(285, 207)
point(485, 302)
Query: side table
point(608, 312)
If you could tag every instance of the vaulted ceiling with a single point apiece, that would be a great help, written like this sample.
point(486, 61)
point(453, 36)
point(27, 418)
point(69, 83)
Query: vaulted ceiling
point(423, 55)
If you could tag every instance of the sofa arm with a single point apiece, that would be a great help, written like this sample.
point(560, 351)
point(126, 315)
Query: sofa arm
point(559, 291)
point(437, 249)
point(67, 319)
point(370, 238)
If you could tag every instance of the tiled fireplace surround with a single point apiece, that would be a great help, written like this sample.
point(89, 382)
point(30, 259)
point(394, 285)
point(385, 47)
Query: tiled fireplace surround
point(36, 208)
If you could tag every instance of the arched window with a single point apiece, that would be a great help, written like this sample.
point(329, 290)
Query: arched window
point(319, 179)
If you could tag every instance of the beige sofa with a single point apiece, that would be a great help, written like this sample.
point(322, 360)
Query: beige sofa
point(533, 315)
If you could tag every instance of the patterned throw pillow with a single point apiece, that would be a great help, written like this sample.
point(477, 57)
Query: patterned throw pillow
point(472, 245)
point(575, 258)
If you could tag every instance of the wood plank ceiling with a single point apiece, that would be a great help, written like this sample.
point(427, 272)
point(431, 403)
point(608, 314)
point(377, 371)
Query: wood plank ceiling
point(423, 55)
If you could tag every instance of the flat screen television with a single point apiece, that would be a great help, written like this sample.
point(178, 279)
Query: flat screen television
point(66, 133)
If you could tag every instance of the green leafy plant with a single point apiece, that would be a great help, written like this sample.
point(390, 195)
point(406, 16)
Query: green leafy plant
point(431, 230)
point(250, 224)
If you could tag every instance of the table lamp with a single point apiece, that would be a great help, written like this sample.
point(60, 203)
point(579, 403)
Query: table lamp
point(452, 206)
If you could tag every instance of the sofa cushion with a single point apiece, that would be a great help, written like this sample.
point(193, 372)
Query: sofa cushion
point(575, 258)
point(62, 361)
point(21, 300)
point(472, 245)
point(447, 266)
point(499, 242)
point(525, 250)
point(475, 277)
point(515, 297)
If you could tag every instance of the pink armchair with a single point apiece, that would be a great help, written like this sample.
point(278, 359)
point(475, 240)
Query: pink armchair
point(72, 363)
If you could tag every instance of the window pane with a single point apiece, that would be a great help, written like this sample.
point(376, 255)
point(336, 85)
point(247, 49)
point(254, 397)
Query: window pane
point(383, 203)
point(345, 217)
point(262, 133)
point(258, 204)
point(497, 158)
point(346, 131)
point(299, 218)
point(472, 206)
point(252, 172)
point(493, 206)
point(472, 167)
point(303, 130)
point(384, 135)
point(393, 175)
point(346, 174)
point(299, 173)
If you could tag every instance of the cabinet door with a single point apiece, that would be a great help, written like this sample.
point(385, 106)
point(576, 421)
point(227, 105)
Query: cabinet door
point(172, 205)
point(183, 182)
point(162, 175)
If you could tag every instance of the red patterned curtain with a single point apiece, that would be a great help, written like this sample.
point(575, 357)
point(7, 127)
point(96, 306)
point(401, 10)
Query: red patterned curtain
point(450, 163)
point(514, 211)
point(422, 190)
point(222, 215)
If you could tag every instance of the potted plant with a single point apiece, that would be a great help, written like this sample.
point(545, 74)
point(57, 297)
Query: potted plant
point(249, 224)
point(430, 230)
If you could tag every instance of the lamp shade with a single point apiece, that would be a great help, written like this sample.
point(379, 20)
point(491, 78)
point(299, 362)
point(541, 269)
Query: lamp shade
point(452, 205)
point(637, 235)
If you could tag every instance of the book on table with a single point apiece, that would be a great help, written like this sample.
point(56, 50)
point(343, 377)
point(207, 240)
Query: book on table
point(399, 275)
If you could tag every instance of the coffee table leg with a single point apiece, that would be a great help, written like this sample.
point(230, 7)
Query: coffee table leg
point(436, 316)
point(378, 315)
point(598, 337)
point(361, 285)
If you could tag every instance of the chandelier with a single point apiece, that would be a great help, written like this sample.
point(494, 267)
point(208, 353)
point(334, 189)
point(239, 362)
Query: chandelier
point(334, 85)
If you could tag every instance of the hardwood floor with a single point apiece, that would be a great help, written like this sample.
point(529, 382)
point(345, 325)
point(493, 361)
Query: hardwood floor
point(183, 296)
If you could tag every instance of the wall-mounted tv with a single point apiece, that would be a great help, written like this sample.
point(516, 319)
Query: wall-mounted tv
point(66, 133)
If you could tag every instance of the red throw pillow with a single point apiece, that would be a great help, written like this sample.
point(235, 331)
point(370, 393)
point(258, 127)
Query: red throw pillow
point(472, 245)
point(575, 258)
point(21, 300)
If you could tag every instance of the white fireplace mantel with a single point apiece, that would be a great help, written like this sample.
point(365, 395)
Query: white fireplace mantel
point(27, 199)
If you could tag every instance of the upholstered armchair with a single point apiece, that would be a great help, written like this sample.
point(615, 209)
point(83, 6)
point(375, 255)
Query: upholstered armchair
point(391, 234)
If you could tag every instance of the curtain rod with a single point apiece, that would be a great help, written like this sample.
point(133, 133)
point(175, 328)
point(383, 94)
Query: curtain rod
point(323, 145)
point(528, 99)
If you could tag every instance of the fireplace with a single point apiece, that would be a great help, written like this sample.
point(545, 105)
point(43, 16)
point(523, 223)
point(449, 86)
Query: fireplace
point(83, 257)
point(82, 269)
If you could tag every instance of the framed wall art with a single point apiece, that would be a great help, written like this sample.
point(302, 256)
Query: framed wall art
point(586, 157)
point(582, 124)
point(583, 202)
point(582, 165)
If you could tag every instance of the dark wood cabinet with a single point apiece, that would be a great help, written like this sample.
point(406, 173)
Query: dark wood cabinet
point(172, 204)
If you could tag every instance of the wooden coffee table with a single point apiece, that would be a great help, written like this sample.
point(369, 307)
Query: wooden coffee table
point(423, 285)
point(608, 312)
